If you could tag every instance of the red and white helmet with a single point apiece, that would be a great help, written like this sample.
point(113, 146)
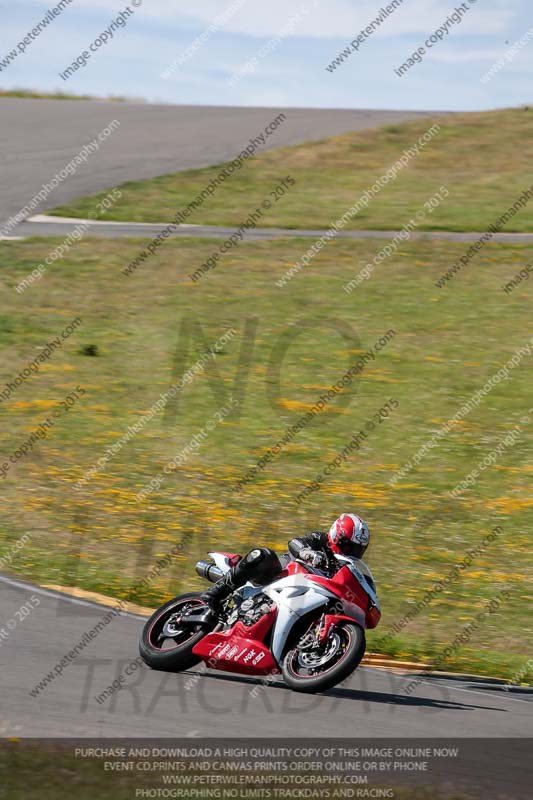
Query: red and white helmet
point(349, 536)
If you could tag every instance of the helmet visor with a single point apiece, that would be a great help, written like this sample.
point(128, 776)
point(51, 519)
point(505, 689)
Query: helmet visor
point(349, 548)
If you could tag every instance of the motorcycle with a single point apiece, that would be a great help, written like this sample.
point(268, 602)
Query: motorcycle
point(305, 625)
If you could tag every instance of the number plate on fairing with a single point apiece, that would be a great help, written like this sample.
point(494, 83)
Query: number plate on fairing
point(232, 653)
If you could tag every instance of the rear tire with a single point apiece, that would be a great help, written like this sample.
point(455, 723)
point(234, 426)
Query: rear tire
point(344, 661)
point(178, 656)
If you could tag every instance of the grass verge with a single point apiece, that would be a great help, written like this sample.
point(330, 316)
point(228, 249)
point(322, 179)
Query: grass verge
point(471, 155)
point(35, 94)
point(140, 334)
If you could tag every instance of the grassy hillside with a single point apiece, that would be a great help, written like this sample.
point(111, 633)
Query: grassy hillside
point(483, 159)
point(38, 95)
point(447, 344)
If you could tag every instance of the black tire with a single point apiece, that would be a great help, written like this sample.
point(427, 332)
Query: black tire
point(177, 657)
point(353, 649)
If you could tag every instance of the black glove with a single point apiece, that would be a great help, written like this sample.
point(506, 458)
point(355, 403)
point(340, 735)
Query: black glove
point(313, 557)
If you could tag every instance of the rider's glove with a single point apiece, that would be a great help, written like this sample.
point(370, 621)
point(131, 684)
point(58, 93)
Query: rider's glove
point(312, 557)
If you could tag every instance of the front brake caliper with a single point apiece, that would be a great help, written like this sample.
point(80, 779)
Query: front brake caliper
point(171, 626)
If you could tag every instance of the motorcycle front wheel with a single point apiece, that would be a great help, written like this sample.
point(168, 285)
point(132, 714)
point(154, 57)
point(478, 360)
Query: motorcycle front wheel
point(316, 669)
point(164, 643)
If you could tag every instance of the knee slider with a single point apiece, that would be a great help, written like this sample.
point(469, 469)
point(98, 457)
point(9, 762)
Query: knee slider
point(255, 556)
point(264, 563)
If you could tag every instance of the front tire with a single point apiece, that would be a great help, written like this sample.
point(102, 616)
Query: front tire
point(167, 652)
point(315, 671)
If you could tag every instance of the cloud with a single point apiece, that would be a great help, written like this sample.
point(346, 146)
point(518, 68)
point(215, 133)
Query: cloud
point(457, 56)
point(341, 18)
point(293, 74)
point(317, 18)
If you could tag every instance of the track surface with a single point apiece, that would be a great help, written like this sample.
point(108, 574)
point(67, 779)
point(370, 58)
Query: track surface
point(196, 703)
point(39, 137)
point(47, 226)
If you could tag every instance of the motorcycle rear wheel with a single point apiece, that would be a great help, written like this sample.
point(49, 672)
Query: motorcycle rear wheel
point(305, 671)
point(177, 655)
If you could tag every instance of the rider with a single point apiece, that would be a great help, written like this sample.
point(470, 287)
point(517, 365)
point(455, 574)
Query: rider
point(349, 536)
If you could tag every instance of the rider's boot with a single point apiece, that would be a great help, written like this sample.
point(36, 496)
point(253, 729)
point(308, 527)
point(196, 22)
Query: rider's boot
point(261, 564)
point(235, 578)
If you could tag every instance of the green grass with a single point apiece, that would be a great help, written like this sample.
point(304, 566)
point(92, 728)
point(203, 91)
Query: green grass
point(447, 344)
point(482, 158)
point(38, 95)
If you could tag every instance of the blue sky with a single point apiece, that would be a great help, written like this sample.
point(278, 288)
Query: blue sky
point(310, 33)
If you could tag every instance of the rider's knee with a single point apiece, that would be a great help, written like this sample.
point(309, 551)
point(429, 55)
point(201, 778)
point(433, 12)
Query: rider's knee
point(264, 563)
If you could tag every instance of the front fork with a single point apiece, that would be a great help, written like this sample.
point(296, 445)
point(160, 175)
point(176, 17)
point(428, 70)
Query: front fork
point(328, 622)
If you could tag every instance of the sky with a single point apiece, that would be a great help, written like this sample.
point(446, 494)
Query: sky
point(276, 53)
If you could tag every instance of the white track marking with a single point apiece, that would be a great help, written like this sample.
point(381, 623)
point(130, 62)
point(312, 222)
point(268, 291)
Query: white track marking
point(266, 233)
point(59, 595)
point(485, 694)
point(30, 587)
point(78, 220)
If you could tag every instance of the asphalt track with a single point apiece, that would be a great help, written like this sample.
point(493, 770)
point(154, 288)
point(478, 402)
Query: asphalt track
point(205, 703)
point(38, 138)
point(43, 225)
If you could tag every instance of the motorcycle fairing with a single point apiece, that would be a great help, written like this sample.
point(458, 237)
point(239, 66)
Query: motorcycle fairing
point(362, 573)
point(224, 561)
point(298, 592)
point(241, 647)
point(294, 597)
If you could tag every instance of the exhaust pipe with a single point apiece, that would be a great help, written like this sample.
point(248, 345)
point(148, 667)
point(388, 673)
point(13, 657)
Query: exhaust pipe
point(208, 570)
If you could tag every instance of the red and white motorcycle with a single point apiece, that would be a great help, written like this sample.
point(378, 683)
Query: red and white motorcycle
point(305, 625)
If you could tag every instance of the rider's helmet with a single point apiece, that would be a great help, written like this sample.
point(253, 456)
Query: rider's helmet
point(349, 536)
